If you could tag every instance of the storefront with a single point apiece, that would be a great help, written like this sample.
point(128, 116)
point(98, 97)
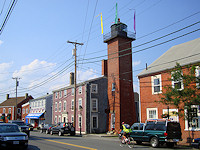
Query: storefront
point(36, 119)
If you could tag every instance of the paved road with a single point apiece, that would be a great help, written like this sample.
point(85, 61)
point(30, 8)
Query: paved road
point(40, 141)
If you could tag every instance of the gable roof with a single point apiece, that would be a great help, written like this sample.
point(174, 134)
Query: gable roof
point(12, 101)
point(184, 54)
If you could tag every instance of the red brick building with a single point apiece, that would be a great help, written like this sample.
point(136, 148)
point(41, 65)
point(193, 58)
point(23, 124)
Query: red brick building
point(25, 112)
point(156, 77)
point(8, 106)
point(121, 105)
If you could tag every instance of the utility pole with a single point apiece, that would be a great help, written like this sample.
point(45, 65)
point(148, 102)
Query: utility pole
point(74, 53)
point(17, 84)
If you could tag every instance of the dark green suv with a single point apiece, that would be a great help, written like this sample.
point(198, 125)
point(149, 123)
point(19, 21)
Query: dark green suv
point(157, 132)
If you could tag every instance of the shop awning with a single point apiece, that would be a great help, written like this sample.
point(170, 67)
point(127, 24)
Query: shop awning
point(34, 115)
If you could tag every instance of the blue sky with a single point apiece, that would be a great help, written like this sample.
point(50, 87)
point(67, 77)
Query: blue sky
point(34, 46)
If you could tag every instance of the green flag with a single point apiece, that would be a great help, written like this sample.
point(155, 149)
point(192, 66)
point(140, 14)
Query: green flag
point(116, 18)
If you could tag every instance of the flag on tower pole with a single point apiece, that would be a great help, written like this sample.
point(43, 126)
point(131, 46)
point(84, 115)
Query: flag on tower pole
point(101, 22)
point(116, 18)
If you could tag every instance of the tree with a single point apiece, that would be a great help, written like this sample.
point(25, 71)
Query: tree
point(184, 92)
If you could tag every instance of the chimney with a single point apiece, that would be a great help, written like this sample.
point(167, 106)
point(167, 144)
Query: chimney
point(7, 96)
point(26, 95)
point(71, 78)
point(104, 67)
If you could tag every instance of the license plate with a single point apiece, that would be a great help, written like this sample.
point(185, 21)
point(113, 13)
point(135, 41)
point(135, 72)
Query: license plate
point(15, 142)
point(72, 129)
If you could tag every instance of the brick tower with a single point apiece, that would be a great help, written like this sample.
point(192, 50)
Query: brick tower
point(121, 104)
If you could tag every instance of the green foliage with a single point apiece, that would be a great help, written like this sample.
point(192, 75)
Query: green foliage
point(182, 98)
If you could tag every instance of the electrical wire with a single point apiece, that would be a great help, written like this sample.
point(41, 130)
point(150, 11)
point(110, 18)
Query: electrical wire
point(8, 15)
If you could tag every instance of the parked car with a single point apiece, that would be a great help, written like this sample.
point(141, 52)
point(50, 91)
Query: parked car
point(196, 143)
point(157, 132)
point(46, 128)
point(30, 126)
point(10, 135)
point(63, 128)
point(22, 125)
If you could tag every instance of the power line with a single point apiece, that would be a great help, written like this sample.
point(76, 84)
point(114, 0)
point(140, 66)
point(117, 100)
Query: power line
point(8, 15)
point(148, 43)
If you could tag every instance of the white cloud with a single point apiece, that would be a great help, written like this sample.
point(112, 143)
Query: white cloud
point(87, 75)
point(1, 42)
point(35, 73)
point(4, 74)
point(33, 70)
point(136, 63)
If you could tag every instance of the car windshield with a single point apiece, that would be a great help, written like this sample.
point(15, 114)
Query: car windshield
point(9, 128)
point(20, 123)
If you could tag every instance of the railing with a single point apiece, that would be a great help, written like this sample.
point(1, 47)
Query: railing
point(114, 34)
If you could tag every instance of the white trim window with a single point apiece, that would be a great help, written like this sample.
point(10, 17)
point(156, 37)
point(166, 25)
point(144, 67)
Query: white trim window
point(9, 110)
point(197, 73)
point(72, 91)
point(23, 111)
point(94, 105)
point(64, 105)
point(80, 121)
point(26, 110)
point(65, 93)
point(79, 103)
point(177, 84)
point(4, 110)
point(72, 119)
point(194, 118)
point(56, 95)
point(152, 113)
point(80, 90)
point(156, 84)
point(94, 122)
point(60, 94)
point(59, 118)
point(56, 106)
point(72, 105)
point(94, 88)
point(60, 106)
point(55, 120)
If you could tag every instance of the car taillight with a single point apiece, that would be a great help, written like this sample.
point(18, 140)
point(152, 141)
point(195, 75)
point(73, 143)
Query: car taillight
point(165, 134)
point(49, 127)
point(64, 125)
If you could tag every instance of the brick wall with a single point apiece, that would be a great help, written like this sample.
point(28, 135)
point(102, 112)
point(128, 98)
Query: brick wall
point(121, 102)
point(148, 100)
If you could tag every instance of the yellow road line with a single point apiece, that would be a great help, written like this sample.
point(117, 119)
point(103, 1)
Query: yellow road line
point(67, 144)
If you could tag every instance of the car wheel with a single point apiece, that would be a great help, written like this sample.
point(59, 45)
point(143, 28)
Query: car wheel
point(170, 144)
point(72, 133)
point(60, 133)
point(47, 132)
point(51, 132)
point(154, 142)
